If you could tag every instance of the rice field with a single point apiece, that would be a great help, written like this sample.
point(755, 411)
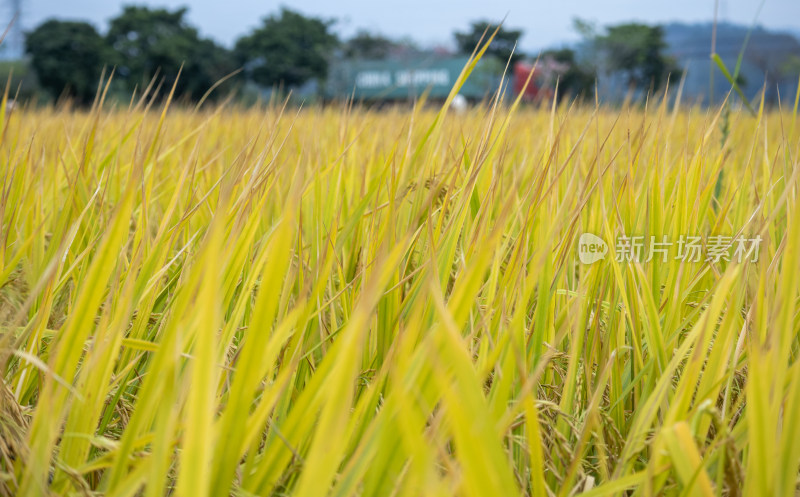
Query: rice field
point(341, 301)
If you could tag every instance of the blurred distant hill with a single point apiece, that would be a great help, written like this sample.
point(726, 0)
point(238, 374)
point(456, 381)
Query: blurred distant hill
point(770, 57)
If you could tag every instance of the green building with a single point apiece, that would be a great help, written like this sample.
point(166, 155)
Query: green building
point(396, 79)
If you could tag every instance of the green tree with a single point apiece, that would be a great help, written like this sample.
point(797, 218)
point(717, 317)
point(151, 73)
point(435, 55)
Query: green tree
point(575, 80)
point(637, 51)
point(24, 83)
point(288, 49)
point(366, 45)
point(150, 41)
point(790, 67)
point(502, 46)
point(68, 58)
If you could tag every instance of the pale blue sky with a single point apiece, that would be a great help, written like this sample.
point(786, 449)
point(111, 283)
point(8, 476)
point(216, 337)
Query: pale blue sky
point(429, 22)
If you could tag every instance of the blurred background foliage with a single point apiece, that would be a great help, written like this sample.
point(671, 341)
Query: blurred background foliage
point(293, 52)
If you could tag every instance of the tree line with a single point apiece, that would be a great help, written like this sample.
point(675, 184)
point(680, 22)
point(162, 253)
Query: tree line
point(288, 49)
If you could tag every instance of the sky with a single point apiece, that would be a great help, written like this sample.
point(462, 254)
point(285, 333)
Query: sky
point(545, 23)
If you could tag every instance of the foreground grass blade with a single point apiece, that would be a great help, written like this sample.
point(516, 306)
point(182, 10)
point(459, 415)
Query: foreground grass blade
point(343, 301)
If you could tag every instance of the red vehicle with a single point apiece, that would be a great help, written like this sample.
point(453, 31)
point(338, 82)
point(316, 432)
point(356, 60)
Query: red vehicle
point(542, 83)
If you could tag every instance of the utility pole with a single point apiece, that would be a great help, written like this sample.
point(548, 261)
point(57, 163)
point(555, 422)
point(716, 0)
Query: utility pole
point(13, 46)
